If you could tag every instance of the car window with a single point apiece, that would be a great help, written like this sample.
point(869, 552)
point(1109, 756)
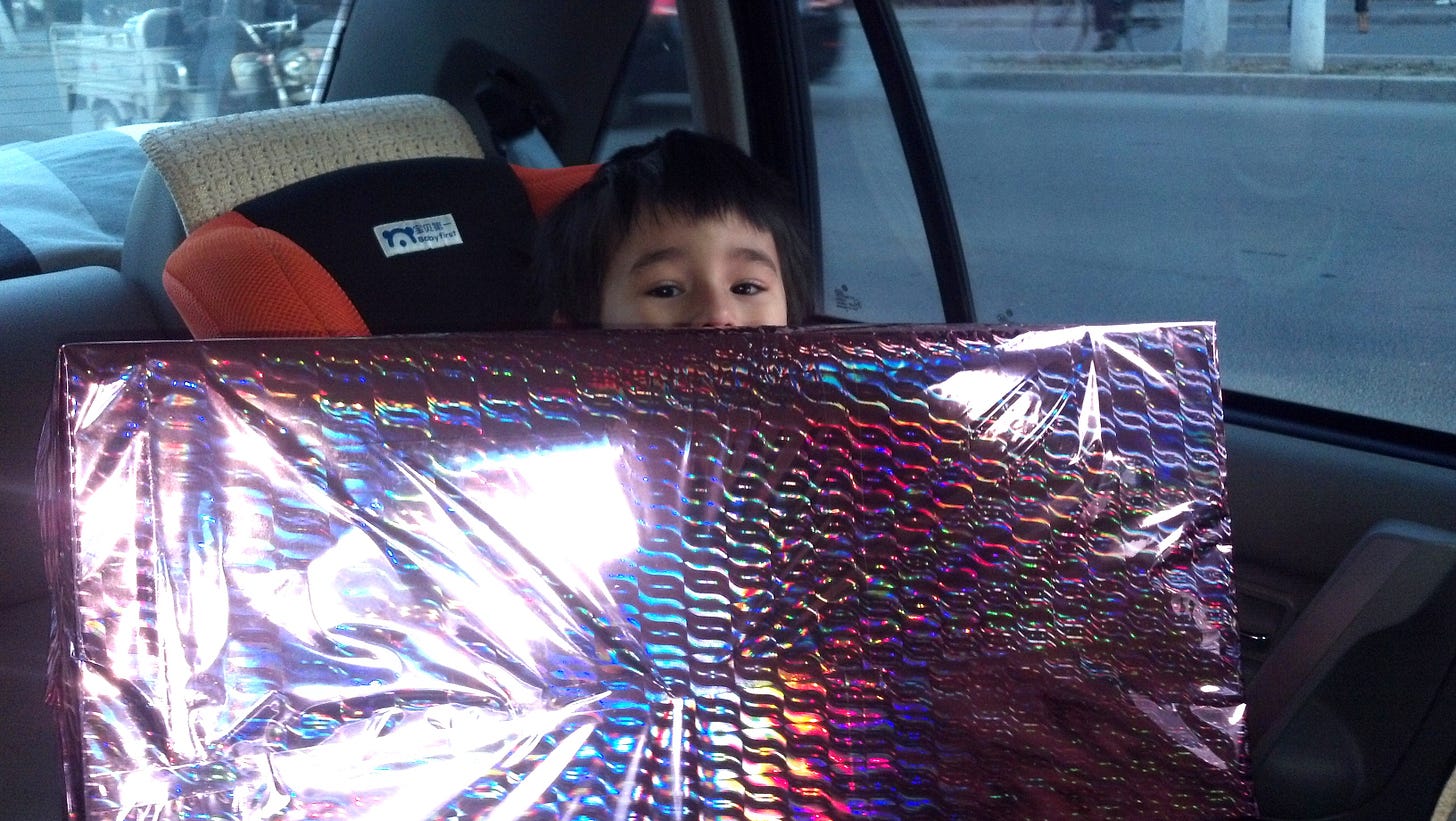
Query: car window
point(877, 265)
point(80, 66)
point(1119, 164)
point(883, 275)
point(652, 94)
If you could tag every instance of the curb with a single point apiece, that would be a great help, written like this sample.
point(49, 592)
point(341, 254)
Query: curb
point(1266, 13)
point(1389, 89)
point(1403, 78)
point(1257, 18)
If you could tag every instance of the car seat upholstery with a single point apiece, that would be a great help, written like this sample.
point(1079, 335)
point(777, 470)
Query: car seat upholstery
point(423, 237)
point(153, 231)
point(37, 315)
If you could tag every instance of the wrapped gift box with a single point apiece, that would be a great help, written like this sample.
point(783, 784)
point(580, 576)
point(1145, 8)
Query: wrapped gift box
point(846, 572)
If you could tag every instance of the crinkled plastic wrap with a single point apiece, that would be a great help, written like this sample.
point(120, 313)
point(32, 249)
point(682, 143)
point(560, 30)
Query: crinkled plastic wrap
point(962, 572)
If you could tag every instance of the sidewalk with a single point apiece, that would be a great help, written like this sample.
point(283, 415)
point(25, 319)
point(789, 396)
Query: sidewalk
point(947, 60)
point(1241, 77)
point(1241, 12)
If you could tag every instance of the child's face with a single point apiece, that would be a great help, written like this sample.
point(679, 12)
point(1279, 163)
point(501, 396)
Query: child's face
point(674, 272)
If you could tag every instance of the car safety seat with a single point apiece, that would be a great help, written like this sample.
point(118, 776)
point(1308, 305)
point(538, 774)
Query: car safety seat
point(349, 219)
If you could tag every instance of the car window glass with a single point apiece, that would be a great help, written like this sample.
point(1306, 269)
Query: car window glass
point(876, 261)
point(1102, 172)
point(862, 173)
point(652, 95)
point(80, 66)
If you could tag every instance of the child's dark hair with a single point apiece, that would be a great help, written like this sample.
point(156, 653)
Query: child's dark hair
point(682, 174)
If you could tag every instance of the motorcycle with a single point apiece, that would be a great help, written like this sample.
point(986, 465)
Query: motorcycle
point(284, 63)
point(150, 70)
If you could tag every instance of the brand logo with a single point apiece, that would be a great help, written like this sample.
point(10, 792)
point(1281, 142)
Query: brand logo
point(409, 236)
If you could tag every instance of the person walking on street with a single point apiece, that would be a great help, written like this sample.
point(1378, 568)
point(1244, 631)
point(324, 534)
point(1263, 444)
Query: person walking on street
point(1110, 18)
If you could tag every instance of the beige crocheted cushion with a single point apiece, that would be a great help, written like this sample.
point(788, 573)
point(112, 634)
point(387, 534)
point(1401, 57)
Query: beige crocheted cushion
point(211, 166)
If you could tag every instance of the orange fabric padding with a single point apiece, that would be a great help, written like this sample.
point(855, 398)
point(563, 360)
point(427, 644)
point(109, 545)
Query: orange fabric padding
point(231, 277)
point(547, 187)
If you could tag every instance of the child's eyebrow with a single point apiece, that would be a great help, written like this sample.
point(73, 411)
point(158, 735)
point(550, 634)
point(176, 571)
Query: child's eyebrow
point(655, 256)
point(755, 255)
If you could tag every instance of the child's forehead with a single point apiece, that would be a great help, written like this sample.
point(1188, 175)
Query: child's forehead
point(657, 216)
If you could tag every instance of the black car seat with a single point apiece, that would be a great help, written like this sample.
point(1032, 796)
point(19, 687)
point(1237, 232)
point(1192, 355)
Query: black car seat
point(390, 244)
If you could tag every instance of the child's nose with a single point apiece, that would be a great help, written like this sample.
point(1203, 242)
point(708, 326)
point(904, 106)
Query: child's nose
point(716, 311)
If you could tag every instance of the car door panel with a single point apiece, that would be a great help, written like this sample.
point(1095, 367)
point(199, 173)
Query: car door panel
point(1299, 507)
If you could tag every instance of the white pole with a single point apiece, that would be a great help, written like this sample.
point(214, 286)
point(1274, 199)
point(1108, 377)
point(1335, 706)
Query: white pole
point(1205, 34)
point(1307, 36)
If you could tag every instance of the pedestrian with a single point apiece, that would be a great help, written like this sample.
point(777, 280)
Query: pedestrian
point(1110, 18)
point(1362, 16)
point(684, 231)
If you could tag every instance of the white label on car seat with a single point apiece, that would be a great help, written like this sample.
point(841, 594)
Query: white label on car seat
point(408, 236)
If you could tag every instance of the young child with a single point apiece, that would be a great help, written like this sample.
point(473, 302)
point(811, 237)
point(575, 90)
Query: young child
point(684, 231)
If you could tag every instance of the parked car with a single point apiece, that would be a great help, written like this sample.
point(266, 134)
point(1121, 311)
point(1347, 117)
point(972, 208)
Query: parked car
point(942, 184)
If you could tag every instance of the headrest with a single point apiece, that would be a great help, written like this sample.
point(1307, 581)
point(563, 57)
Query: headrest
point(409, 246)
point(212, 165)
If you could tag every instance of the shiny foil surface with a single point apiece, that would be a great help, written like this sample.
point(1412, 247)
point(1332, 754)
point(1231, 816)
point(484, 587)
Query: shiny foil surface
point(938, 572)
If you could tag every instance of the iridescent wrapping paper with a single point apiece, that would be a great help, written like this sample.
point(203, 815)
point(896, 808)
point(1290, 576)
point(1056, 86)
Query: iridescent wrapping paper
point(963, 572)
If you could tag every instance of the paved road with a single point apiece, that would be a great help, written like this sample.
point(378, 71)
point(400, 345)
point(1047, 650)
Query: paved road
point(1318, 232)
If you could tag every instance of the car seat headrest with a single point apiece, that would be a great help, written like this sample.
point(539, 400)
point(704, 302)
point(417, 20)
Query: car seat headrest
point(212, 165)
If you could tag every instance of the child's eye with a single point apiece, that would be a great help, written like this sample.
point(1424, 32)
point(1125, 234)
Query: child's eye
point(664, 291)
point(748, 289)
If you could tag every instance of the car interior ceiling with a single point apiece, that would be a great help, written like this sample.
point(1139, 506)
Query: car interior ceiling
point(472, 52)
